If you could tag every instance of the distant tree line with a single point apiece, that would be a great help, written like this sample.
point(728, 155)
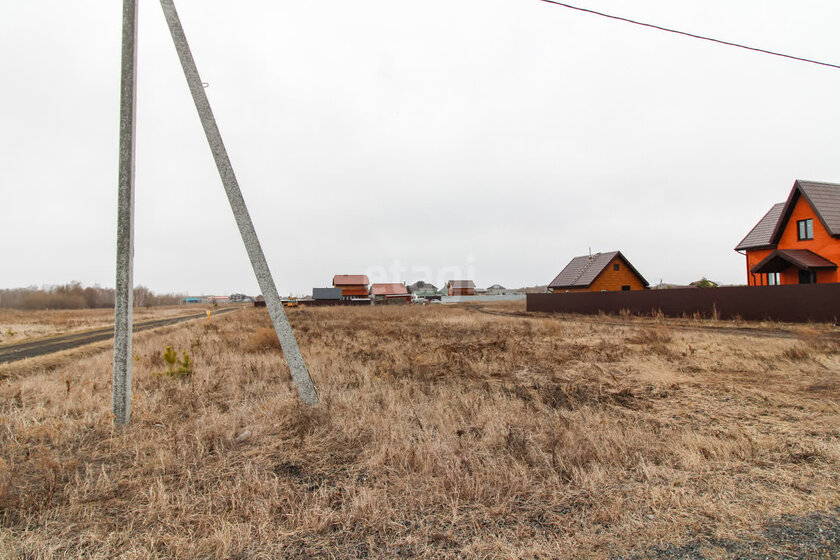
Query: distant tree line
point(75, 296)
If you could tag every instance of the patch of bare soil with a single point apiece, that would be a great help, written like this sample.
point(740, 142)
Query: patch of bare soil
point(790, 537)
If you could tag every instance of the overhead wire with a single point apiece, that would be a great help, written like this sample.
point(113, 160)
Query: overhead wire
point(704, 38)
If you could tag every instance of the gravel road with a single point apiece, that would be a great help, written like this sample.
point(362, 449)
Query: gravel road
point(34, 348)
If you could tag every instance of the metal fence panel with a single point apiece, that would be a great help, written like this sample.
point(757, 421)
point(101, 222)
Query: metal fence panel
point(793, 303)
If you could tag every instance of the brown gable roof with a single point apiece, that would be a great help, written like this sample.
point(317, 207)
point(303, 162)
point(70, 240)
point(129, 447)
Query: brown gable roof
point(761, 235)
point(582, 271)
point(824, 198)
point(350, 280)
point(461, 284)
point(422, 285)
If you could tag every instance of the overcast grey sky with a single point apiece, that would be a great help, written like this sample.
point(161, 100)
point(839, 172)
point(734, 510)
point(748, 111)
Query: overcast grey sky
point(495, 138)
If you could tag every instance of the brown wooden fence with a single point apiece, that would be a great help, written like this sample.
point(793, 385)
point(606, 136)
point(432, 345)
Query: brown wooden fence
point(795, 303)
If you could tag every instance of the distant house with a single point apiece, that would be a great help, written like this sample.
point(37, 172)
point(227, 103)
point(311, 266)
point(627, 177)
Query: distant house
point(421, 286)
point(390, 293)
point(460, 288)
point(602, 272)
point(496, 290)
point(352, 285)
point(797, 241)
point(667, 286)
point(421, 289)
point(326, 294)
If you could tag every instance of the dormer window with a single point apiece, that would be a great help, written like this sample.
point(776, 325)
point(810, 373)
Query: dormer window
point(805, 229)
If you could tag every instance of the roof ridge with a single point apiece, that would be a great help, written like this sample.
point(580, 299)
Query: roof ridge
point(808, 181)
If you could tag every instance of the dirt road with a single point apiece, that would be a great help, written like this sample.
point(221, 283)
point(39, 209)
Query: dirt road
point(14, 352)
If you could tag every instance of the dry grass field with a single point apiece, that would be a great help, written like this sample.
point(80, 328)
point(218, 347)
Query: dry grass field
point(22, 326)
point(443, 432)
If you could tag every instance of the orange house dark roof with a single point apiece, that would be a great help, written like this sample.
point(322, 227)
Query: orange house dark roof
point(798, 240)
point(824, 198)
point(582, 271)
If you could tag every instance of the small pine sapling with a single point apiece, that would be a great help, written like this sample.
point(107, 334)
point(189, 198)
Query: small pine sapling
point(175, 367)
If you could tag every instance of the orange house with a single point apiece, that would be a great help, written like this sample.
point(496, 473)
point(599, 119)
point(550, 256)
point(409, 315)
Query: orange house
point(796, 242)
point(460, 288)
point(602, 272)
point(352, 285)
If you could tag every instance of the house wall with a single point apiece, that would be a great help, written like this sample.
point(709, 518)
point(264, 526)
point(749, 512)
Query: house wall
point(822, 244)
point(753, 258)
point(359, 290)
point(461, 291)
point(612, 280)
point(391, 300)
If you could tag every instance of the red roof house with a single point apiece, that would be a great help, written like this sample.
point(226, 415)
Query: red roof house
point(390, 293)
point(352, 285)
point(797, 241)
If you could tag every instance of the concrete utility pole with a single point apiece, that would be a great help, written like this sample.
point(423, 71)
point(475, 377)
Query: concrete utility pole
point(125, 219)
point(300, 375)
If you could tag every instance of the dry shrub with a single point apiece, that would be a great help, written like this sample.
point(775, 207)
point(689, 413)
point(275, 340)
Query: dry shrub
point(798, 353)
point(654, 341)
point(5, 486)
point(610, 351)
point(153, 359)
point(264, 339)
point(816, 342)
point(31, 482)
point(658, 335)
point(592, 390)
point(830, 389)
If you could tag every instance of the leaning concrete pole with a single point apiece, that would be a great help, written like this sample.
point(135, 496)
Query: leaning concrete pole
point(306, 390)
point(125, 219)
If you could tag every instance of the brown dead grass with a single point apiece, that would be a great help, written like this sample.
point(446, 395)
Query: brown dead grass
point(442, 432)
